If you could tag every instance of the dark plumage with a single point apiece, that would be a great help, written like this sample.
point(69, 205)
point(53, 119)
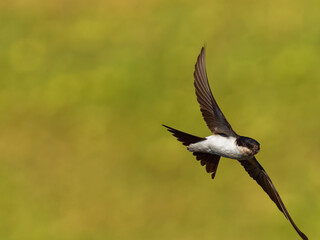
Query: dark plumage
point(224, 141)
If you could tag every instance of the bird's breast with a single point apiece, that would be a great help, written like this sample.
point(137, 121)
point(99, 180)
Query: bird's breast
point(219, 145)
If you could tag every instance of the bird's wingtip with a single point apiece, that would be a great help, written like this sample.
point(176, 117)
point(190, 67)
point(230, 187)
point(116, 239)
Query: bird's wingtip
point(203, 49)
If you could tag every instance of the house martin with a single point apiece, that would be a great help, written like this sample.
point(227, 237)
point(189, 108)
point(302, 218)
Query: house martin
point(225, 142)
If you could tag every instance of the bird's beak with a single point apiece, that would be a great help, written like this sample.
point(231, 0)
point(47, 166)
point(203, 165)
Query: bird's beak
point(256, 148)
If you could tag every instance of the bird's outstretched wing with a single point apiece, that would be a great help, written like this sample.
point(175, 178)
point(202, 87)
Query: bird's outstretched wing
point(211, 112)
point(257, 172)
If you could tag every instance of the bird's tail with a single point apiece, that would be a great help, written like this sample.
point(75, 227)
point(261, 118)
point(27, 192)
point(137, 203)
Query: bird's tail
point(183, 137)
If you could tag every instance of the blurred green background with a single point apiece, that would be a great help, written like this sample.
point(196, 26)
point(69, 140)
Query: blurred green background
point(86, 85)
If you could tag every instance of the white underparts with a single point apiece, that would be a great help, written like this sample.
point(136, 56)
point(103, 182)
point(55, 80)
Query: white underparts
point(222, 146)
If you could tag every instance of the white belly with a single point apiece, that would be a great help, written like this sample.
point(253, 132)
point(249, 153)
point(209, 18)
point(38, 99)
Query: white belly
point(219, 145)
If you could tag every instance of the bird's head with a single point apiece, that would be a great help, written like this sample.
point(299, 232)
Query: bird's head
point(249, 145)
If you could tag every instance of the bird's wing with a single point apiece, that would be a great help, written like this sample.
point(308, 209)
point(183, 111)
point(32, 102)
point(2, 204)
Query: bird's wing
point(257, 172)
point(211, 112)
point(211, 161)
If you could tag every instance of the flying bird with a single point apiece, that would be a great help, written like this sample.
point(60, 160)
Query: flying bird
point(225, 142)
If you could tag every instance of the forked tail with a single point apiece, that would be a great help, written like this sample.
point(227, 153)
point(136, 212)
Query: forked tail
point(183, 137)
point(211, 161)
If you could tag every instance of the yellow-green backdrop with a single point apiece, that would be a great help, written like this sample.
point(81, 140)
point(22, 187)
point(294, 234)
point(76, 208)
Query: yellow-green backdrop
point(86, 85)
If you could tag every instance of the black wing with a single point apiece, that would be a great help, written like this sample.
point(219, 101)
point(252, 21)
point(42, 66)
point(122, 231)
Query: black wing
point(211, 161)
point(211, 112)
point(257, 172)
